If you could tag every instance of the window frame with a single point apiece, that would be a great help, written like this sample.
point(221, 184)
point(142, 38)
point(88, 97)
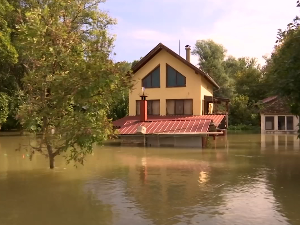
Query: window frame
point(150, 74)
point(148, 101)
point(273, 127)
point(175, 100)
point(177, 73)
point(286, 123)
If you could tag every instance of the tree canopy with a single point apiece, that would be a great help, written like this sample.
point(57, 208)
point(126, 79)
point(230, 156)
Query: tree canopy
point(70, 80)
point(211, 56)
point(282, 71)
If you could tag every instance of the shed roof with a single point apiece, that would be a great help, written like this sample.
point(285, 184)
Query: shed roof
point(216, 118)
point(168, 124)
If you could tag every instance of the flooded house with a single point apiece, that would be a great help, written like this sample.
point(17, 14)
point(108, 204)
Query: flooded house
point(276, 116)
point(171, 103)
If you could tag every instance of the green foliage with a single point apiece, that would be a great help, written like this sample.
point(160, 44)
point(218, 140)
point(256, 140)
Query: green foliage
point(4, 107)
point(284, 66)
point(70, 81)
point(242, 111)
point(8, 53)
point(247, 77)
point(211, 56)
point(119, 107)
point(240, 80)
point(243, 127)
point(11, 68)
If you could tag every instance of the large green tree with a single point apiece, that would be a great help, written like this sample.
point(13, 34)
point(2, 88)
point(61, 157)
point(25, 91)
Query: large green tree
point(240, 80)
point(119, 107)
point(11, 70)
point(70, 81)
point(246, 75)
point(8, 53)
point(282, 72)
point(8, 56)
point(211, 56)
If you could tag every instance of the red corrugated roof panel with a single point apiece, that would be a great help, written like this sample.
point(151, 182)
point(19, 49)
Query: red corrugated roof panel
point(216, 118)
point(167, 126)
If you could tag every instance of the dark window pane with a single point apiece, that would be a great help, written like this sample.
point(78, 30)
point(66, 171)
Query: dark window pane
point(179, 104)
point(281, 122)
point(290, 123)
point(156, 78)
point(170, 107)
point(171, 77)
point(138, 107)
point(180, 80)
point(269, 124)
point(156, 107)
point(152, 79)
point(149, 107)
point(147, 82)
point(188, 107)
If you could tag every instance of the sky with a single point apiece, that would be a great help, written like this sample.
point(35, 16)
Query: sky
point(246, 28)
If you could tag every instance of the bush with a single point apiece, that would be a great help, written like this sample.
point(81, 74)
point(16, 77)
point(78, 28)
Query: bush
point(4, 107)
point(243, 111)
point(243, 127)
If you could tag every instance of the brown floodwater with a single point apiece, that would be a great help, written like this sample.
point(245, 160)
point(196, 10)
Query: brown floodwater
point(244, 179)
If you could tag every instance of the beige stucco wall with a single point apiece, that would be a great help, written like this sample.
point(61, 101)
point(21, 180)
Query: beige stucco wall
point(193, 89)
point(263, 129)
point(206, 89)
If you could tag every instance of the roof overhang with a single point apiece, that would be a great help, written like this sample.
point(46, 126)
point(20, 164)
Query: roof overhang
point(160, 47)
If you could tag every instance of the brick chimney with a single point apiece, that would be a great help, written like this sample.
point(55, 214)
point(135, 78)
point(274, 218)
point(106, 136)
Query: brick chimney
point(188, 53)
point(143, 109)
point(143, 106)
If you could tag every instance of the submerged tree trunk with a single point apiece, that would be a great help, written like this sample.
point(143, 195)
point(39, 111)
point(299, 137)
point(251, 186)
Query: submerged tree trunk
point(51, 156)
point(51, 161)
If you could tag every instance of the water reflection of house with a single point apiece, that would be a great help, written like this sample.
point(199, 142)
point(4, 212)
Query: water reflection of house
point(177, 105)
point(276, 116)
point(280, 141)
point(165, 187)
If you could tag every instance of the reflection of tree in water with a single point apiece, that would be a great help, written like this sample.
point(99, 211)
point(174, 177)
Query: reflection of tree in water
point(284, 181)
point(33, 198)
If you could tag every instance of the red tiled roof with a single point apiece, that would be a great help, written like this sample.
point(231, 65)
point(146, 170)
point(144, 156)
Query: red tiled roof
point(216, 118)
point(167, 126)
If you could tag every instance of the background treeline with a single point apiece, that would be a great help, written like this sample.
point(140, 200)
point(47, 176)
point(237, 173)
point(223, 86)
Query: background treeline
point(242, 80)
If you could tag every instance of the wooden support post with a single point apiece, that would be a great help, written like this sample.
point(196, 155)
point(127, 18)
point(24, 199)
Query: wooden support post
point(227, 108)
point(204, 141)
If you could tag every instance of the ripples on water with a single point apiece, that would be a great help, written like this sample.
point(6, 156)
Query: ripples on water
point(153, 186)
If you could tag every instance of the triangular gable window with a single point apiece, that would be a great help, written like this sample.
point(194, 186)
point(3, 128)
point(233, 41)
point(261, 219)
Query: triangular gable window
point(152, 80)
point(174, 78)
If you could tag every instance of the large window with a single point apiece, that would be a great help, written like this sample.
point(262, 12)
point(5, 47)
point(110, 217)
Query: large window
point(285, 123)
point(290, 123)
point(281, 122)
point(153, 107)
point(174, 78)
point(179, 107)
point(269, 123)
point(152, 80)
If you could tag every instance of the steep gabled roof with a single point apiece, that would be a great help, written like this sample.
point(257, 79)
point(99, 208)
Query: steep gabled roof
point(160, 47)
